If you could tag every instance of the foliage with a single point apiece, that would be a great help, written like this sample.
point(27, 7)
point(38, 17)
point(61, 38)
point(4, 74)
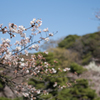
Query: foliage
point(76, 68)
point(68, 41)
point(65, 57)
point(49, 58)
point(75, 91)
point(54, 83)
point(87, 46)
point(79, 91)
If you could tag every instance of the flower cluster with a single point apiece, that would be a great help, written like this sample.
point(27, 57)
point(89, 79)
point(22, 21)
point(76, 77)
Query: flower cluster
point(15, 58)
point(66, 69)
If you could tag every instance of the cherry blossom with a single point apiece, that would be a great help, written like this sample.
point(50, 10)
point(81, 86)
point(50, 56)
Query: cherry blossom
point(15, 59)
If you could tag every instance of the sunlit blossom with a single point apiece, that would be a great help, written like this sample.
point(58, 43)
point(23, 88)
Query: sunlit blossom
point(22, 59)
point(26, 52)
point(54, 71)
point(27, 71)
point(46, 39)
point(18, 48)
point(22, 28)
point(33, 21)
point(55, 84)
point(25, 94)
point(45, 30)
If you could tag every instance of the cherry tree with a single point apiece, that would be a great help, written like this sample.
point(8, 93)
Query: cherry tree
point(14, 59)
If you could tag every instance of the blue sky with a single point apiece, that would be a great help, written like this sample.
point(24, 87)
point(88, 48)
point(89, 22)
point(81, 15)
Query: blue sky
point(65, 16)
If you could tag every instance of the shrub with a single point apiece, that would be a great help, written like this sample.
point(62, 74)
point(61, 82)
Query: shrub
point(76, 68)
